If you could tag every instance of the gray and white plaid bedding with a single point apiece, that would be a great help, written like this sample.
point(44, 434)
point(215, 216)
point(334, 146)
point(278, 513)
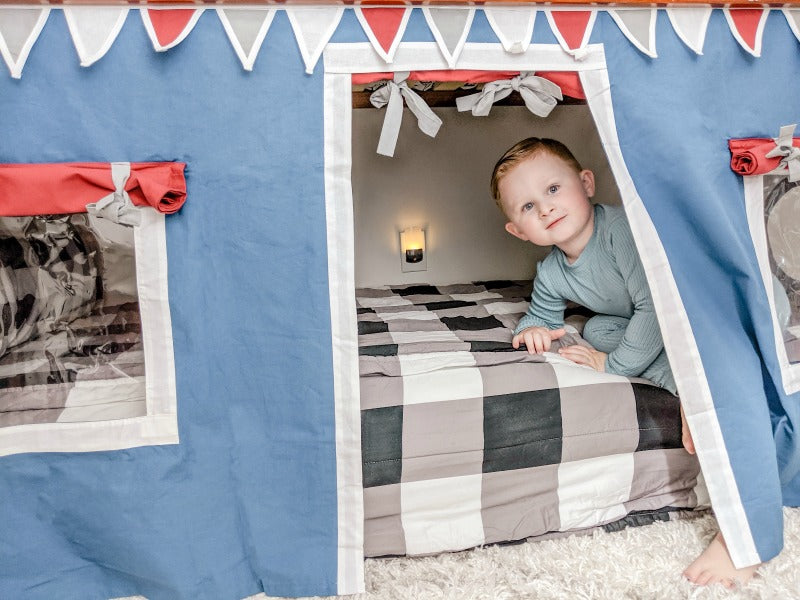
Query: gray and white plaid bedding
point(69, 351)
point(466, 441)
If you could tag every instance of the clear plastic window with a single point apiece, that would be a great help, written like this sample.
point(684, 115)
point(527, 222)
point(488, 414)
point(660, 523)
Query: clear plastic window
point(86, 360)
point(782, 223)
point(70, 327)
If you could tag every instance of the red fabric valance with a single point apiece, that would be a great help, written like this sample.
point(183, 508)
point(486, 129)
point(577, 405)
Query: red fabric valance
point(748, 155)
point(60, 188)
point(568, 81)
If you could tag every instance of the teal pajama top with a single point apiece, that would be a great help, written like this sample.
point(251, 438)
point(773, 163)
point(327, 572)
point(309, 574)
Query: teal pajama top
point(607, 278)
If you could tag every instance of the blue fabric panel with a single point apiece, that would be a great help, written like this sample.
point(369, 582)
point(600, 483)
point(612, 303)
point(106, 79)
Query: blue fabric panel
point(248, 499)
point(674, 116)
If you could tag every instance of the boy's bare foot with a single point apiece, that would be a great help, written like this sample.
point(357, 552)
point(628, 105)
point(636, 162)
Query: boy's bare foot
point(686, 435)
point(714, 565)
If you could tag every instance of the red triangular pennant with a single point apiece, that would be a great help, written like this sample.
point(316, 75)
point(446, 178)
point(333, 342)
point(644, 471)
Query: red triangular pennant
point(571, 26)
point(168, 27)
point(747, 26)
point(384, 23)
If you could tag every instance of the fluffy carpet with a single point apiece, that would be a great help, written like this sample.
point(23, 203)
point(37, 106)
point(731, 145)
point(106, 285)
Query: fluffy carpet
point(638, 563)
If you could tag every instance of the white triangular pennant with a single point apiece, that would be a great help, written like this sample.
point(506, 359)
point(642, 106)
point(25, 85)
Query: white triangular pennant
point(513, 27)
point(162, 34)
point(364, 19)
point(752, 46)
point(94, 29)
point(313, 27)
point(793, 18)
point(639, 26)
point(690, 23)
point(246, 29)
point(450, 27)
point(19, 30)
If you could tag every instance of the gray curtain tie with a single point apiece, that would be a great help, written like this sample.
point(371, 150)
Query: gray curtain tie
point(117, 206)
point(789, 152)
point(540, 95)
point(391, 96)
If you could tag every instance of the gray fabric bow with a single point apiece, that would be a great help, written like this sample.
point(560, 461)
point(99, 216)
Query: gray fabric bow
point(540, 95)
point(789, 152)
point(117, 206)
point(391, 96)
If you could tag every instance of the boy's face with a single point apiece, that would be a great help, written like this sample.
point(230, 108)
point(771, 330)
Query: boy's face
point(547, 202)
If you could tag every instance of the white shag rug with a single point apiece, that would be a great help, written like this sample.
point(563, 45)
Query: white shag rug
point(638, 563)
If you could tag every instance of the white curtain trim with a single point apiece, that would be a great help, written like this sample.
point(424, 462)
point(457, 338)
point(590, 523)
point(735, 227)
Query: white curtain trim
point(337, 110)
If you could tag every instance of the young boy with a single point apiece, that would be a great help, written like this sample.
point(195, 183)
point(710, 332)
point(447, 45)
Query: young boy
point(544, 193)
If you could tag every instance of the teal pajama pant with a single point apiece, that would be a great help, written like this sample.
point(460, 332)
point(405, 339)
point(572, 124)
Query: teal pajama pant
point(605, 332)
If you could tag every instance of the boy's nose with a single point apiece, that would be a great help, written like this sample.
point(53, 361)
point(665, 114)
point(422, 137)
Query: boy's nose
point(545, 209)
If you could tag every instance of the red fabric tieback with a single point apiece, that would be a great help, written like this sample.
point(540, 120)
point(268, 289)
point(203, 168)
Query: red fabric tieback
point(748, 155)
point(61, 188)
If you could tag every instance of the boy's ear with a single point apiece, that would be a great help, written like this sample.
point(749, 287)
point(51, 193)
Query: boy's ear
point(587, 179)
point(513, 230)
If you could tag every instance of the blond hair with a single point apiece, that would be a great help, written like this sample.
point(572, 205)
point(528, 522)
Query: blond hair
point(528, 148)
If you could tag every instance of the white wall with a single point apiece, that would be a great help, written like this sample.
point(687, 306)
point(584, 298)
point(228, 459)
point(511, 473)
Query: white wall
point(442, 184)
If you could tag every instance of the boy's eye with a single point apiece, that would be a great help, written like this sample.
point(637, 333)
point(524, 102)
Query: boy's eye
point(527, 206)
point(552, 189)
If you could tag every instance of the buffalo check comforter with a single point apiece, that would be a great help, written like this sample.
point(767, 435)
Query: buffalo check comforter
point(466, 441)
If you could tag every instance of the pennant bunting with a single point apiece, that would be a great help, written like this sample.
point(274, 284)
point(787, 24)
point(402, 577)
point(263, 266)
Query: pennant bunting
point(450, 27)
point(19, 30)
point(94, 29)
point(513, 27)
point(793, 17)
point(747, 26)
point(169, 27)
point(572, 28)
point(313, 27)
point(384, 27)
point(246, 29)
point(690, 24)
point(639, 26)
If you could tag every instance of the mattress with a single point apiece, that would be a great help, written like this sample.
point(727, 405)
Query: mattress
point(466, 441)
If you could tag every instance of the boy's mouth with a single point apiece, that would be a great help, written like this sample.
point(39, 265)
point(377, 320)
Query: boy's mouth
point(554, 223)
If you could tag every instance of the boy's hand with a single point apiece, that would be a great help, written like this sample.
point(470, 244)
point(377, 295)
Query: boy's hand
point(537, 339)
point(585, 356)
